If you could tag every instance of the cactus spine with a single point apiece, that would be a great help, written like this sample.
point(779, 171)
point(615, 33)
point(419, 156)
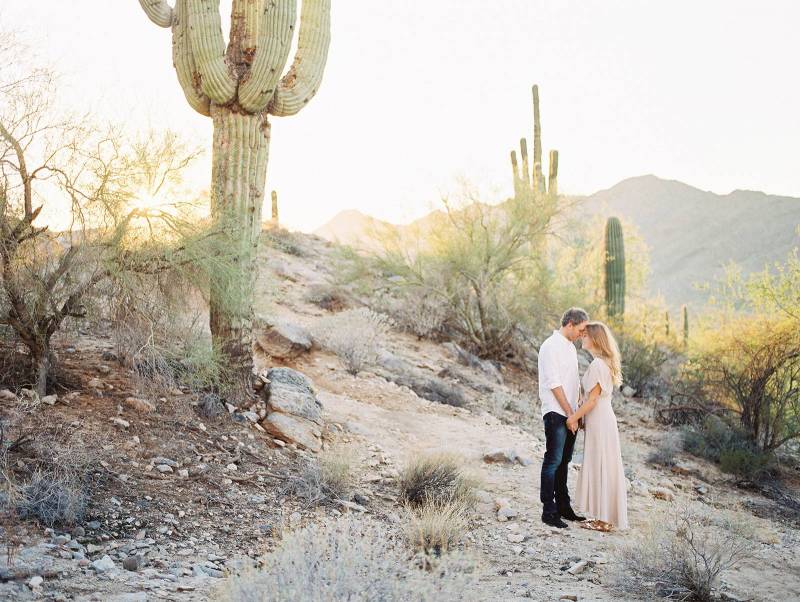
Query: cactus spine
point(239, 86)
point(685, 312)
point(528, 178)
point(614, 268)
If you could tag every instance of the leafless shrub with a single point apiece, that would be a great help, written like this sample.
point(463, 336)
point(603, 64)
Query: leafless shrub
point(354, 562)
point(682, 560)
point(324, 480)
point(354, 335)
point(435, 527)
point(667, 449)
point(329, 297)
point(435, 479)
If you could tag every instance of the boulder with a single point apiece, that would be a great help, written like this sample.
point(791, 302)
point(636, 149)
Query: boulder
point(284, 341)
point(465, 358)
point(291, 392)
point(505, 456)
point(294, 414)
point(628, 391)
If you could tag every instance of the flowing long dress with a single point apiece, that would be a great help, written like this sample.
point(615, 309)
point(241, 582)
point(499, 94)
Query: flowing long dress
point(602, 492)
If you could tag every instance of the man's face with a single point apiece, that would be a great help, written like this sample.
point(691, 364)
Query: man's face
point(575, 331)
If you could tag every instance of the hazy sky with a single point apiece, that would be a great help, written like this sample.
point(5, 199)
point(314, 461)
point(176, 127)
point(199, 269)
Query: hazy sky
point(418, 93)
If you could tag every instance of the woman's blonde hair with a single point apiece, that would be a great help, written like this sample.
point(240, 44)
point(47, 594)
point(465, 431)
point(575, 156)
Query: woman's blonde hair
point(605, 347)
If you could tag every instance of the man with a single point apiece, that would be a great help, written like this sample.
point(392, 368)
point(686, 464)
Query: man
point(559, 390)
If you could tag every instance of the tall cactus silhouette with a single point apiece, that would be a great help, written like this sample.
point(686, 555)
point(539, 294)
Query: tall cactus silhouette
point(239, 86)
point(666, 323)
point(685, 314)
point(274, 196)
point(614, 268)
point(528, 178)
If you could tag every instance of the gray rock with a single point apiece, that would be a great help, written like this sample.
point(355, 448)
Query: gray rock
point(628, 391)
point(50, 399)
point(283, 340)
point(163, 468)
point(167, 461)
point(516, 538)
point(578, 567)
point(293, 429)
point(103, 565)
point(502, 456)
point(35, 582)
point(133, 563)
point(465, 358)
point(506, 512)
point(291, 392)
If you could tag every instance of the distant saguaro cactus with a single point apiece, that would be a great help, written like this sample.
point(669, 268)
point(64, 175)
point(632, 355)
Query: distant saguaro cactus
point(529, 179)
point(614, 268)
point(275, 207)
point(666, 323)
point(685, 313)
point(239, 86)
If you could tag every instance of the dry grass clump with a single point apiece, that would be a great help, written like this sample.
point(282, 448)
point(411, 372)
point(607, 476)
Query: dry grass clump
point(682, 560)
point(355, 335)
point(667, 449)
point(325, 480)
point(44, 475)
point(349, 561)
point(435, 479)
point(435, 527)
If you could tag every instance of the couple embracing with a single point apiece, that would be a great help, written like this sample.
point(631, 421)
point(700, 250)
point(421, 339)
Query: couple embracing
point(569, 402)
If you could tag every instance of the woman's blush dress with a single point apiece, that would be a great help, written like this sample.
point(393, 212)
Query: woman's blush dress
point(602, 492)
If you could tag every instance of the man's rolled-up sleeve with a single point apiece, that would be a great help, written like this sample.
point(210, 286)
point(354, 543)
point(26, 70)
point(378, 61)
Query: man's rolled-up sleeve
point(548, 371)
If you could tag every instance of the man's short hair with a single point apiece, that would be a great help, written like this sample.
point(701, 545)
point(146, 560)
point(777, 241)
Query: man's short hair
point(574, 316)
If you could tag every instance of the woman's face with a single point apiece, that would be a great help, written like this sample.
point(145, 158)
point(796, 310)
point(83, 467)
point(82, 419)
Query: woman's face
point(586, 342)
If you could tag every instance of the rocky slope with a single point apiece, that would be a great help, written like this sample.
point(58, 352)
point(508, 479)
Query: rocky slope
point(185, 499)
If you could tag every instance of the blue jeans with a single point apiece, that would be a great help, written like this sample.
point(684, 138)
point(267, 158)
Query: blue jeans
point(560, 442)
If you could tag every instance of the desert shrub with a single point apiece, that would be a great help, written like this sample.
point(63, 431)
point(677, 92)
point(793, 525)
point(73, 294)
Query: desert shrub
point(667, 449)
point(477, 263)
point(418, 312)
point(355, 335)
point(352, 562)
point(729, 446)
point(285, 241)
point(435, 479)
point(324, 480)
point(435, 527)
point(45, 475)
point(330, 297)
point(751, 369)
point(641, 360)
point(682, 559)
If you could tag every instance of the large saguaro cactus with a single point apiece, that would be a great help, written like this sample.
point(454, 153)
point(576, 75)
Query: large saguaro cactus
point(239, 86)
point(614, 268)
point(529, 179)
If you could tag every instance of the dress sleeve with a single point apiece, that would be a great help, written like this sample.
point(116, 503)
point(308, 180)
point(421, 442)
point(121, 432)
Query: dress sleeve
point(598, 374)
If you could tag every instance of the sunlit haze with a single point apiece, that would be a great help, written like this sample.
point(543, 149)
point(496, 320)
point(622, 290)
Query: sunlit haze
point(418, 94)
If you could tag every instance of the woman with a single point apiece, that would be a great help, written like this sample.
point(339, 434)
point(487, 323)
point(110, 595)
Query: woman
point(601, 489)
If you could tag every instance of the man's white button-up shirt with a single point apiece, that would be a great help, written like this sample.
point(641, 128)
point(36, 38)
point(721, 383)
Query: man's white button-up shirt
point(558, 367)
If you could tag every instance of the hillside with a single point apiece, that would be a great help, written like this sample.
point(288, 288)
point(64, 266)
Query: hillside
point(182, 499)
point(692, 234)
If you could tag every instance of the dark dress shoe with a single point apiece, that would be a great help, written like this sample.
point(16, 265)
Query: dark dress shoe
point(554, 521)
point(569, 514)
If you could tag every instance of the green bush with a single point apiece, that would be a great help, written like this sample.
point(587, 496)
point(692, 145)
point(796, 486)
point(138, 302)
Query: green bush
point(641, 361)
point(723, 444)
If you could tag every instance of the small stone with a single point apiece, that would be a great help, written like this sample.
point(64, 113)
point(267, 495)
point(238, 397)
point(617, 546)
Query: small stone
point(6, 395)
point(120, 422)
point(662, 493)
point(294, 518)
point(104, 564)
point(628, 391)
point(232, 467)
point(578, 567)
point(279, 443)
point(167, 461)
point(571, 597)
point(183, 473)
point(103, 369)
point(516, 537)
point(503, 456)
point(142, 406)
point(163, 468)
point(701, 489)
point(251, 416)
point(50, 399)
point(93, 524)
point(506, 513)
point(36, 582)
point(132, 563)
point(95, 383)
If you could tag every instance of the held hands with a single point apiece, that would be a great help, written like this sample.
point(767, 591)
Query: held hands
point(572, 423)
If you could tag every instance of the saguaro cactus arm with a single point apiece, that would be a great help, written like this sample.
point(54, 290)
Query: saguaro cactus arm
point(552, 179)
point(208, 46)
point(302, 80)
point(185, 65)
point(159, 12)
point(272, 49)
